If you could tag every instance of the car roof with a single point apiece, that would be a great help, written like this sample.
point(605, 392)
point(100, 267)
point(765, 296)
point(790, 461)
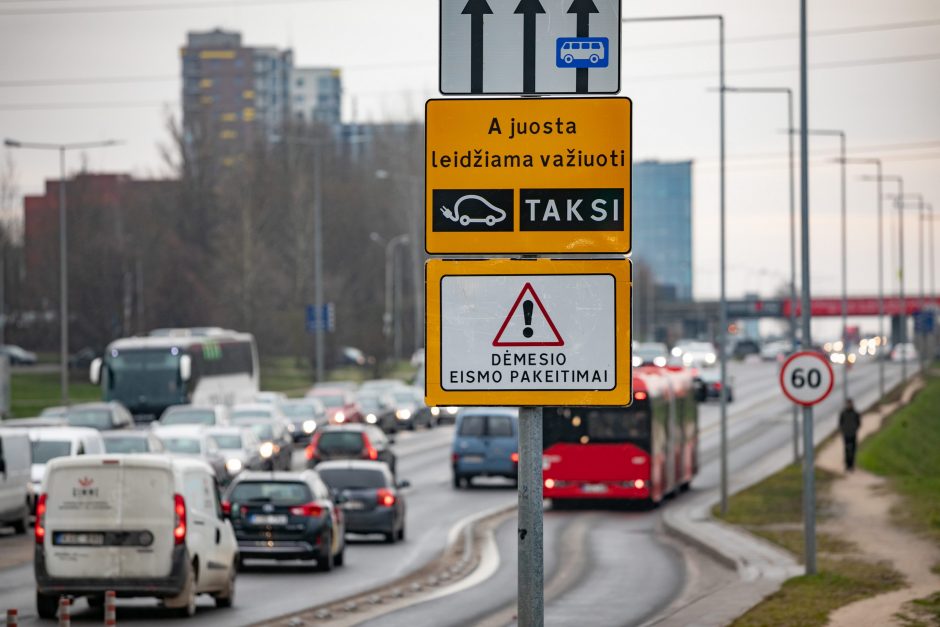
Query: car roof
point(189, 406)
point(277, 475)
point(347, 427)
point(512, 412)
point(226, 430)
point(95, 405)
point(125, 459)
point(266, 407)
point(352, 464)
point(124, 433)
point(59, 433)
point(180, 430)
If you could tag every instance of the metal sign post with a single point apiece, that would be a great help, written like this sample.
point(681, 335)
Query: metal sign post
point(531, 566)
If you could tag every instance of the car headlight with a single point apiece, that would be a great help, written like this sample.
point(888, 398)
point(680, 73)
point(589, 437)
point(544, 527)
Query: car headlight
point(371, 419)
point(637, 361)
point(310, 426)
point(676, 351)
point(233, 465)
point(687, 359)
point(266, 450)
point(659, 361)
point(291, 427)
point(339, 417)
point(403, 414)
point(710, 358)
point(435, 411)
point(452, 410)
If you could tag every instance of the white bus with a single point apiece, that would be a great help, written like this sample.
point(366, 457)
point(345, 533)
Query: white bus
point(204, 365)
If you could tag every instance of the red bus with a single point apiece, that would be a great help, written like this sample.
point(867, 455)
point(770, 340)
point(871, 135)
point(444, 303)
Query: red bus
point(642, 452)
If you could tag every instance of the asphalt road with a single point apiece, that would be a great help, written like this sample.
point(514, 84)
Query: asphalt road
point(618, 568)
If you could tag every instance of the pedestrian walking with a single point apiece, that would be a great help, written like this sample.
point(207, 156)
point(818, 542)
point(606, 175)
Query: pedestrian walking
point(849, 423)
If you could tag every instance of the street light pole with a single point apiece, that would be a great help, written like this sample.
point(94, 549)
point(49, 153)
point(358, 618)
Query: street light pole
point(790, 137)
point(844, 277)
point(389, 316)
point(63, 249)
point(723, 300)
point(900, 200)
point(878, 178)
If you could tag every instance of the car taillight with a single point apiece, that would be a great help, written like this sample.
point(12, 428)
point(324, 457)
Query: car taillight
point(384, 497)
point(515, 458)
point(455, 457)
point(716, 385)
point(311, 451)
point(227, 508)
point(41, 518)
point(179, 523)
point(311, 510)
point(368, 451)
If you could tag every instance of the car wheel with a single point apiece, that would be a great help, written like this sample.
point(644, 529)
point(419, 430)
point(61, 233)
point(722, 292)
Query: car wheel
point(340, 557)
point(95, 601)
point(401, 532)
point(239, 563)
point(20, 526)
point(457, 482)
point(46, 605)
point(184, 604)
point(390, 537)
point(325, 562)
point(226, 598)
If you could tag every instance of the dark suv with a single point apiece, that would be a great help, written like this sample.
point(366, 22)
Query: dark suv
point(286, 516)
point(357, 441)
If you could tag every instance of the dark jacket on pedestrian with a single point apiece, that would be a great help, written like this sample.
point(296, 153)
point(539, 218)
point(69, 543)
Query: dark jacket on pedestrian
point(849, 422)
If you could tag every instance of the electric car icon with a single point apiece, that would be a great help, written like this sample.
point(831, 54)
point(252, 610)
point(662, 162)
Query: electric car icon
point(494, 216)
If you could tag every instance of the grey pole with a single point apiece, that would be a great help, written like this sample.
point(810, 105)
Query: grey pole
point(63, 285)
point(920, 207)
point(793, 301)
point(902, 326)
point(809, 486)
point(63, 250)
point(723, 300)
point(417, 224)
point(319, 331)
point(531, 604)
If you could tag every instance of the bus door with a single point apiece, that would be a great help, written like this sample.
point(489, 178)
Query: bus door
point(672, 438)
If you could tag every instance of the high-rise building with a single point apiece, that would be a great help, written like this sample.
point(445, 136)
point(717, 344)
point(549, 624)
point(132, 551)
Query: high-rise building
point(316, 95)
point(233, 95)
point(662, 223)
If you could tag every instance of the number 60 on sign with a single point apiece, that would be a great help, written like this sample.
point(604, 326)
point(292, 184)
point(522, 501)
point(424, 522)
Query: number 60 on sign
point(806, 378)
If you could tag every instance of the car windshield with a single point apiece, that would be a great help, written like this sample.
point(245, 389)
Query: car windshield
point(340, 442)
point(700, 347)
point(331, 400)
point(229, 442)
point(299, 410)
point(370, 403)
point(264, 430)
point(183, 446)
point(44, 450)
point(277, 492)
point(404, 397)
point(353, 478)
point(650, 350)
point(189, 417)
point(94, 418)
point(126, 445)
point(251, 413)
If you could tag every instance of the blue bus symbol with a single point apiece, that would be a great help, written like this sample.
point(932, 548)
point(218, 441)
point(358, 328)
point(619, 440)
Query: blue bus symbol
point(581, 52)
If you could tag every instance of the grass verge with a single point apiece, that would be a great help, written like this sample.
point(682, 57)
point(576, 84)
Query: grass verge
point(905, 452)
point(921, 612)
point(30, 392)
point(773, 510)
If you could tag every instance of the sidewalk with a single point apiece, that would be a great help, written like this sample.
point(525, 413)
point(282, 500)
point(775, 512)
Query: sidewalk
point(864, 504)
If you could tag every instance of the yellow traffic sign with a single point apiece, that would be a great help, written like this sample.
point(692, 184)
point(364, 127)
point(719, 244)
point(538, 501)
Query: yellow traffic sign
point(521, 176)
point(528, 332)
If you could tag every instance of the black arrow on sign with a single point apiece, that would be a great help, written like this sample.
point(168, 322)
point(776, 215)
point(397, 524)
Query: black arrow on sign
point(583, 9)
point(529, 9)
point(476, 9)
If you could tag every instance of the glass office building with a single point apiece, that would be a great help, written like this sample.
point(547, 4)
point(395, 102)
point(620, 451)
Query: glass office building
point(662, 223)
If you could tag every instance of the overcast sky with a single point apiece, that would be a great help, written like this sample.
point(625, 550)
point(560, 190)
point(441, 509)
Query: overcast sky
point(876, 75)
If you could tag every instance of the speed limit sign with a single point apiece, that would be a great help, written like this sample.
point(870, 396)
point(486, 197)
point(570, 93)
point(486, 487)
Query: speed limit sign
point(806, 377)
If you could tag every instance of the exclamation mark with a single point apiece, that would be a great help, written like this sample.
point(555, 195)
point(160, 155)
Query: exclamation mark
point(527, 314)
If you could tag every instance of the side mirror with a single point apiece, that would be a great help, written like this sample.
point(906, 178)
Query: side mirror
point(404, 483)
point(186, 367)
point(94, 371)
point(338, 497)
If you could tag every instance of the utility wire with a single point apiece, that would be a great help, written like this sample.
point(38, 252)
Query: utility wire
point(165, 6)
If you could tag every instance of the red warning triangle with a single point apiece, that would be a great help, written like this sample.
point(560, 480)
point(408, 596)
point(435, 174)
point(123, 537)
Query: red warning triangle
point(522, 332)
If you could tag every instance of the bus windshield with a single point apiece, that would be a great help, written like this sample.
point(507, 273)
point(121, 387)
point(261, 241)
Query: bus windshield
point(144, 377)
point(598, 425)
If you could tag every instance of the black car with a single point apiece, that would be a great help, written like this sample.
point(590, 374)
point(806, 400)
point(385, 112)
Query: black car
point(352, 441)
point(379, 410)
point(370, 496)
point(286, 516)
point(711, 382)
point(276, 441)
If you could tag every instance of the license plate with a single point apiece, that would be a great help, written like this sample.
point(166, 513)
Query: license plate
point(353, 505)
point(79, 539)
point(472, 459)
point(594, 488)
point(268, 519)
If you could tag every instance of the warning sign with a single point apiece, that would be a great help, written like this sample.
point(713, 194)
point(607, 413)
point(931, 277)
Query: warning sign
point(528, 332)
point(529, 325)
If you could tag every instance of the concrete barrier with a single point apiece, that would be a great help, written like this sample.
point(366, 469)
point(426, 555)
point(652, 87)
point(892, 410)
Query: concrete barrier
point(12, 618)
point(65, 612)
point(110, 610)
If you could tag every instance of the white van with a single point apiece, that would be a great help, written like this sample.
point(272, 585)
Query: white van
point(141, 525)
point(14, 479)
point(48, 443)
